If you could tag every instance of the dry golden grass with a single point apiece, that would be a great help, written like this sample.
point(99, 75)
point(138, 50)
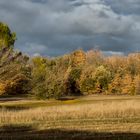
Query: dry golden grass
point(88, 116)
point(124, 109)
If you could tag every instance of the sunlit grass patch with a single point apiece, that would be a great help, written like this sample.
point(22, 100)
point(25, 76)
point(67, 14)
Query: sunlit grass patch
point(81, 114)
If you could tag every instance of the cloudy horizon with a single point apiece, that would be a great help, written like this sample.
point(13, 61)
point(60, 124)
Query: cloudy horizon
point(53, 28)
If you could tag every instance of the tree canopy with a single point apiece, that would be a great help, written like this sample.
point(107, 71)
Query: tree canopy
point(7, 38)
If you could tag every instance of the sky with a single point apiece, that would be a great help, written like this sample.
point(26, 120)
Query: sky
point(56, 27)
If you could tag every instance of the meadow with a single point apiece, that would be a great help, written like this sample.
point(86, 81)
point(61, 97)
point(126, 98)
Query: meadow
point(90, 117)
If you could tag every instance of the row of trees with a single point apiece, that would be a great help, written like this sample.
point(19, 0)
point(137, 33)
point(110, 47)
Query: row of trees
point(77, 73)
point(86, 73)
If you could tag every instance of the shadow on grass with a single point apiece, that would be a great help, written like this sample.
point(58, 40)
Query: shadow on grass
point(12, 132)
point(14, 108)
point(67, 98)
point(7, 98)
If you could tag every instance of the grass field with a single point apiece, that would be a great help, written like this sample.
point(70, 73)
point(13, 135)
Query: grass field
point(89, 117)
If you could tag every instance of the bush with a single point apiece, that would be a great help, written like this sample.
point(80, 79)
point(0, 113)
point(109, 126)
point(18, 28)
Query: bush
point(17, 85)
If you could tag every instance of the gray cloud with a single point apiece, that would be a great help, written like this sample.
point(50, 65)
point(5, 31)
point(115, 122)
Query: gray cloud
point(53, 28)
point(125, 7)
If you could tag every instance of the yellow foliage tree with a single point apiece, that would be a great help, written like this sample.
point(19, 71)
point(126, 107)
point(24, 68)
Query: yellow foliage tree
point(115, 85)
point(78, 58)
point(2, 88)
point(128, 86)
point(137, 84)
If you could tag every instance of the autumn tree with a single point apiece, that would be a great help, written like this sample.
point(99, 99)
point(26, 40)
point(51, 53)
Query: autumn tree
point(103, 78)
point(14, 67)
point(87, 80)
point(115, 87)
point(128, 86)
point(94, 57)
point(78, 58)
point(38, 76)
point(137, 84)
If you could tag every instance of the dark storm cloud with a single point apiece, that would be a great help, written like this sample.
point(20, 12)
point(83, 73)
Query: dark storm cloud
point(53, 28)
point(125, 6)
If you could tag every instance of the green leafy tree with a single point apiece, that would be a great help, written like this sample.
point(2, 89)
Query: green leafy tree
point(103, 77)
point(7, 38)
point(39, 77)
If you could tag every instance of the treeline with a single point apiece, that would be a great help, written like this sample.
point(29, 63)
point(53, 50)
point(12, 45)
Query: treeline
point(86, 73)
point(78, 73)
